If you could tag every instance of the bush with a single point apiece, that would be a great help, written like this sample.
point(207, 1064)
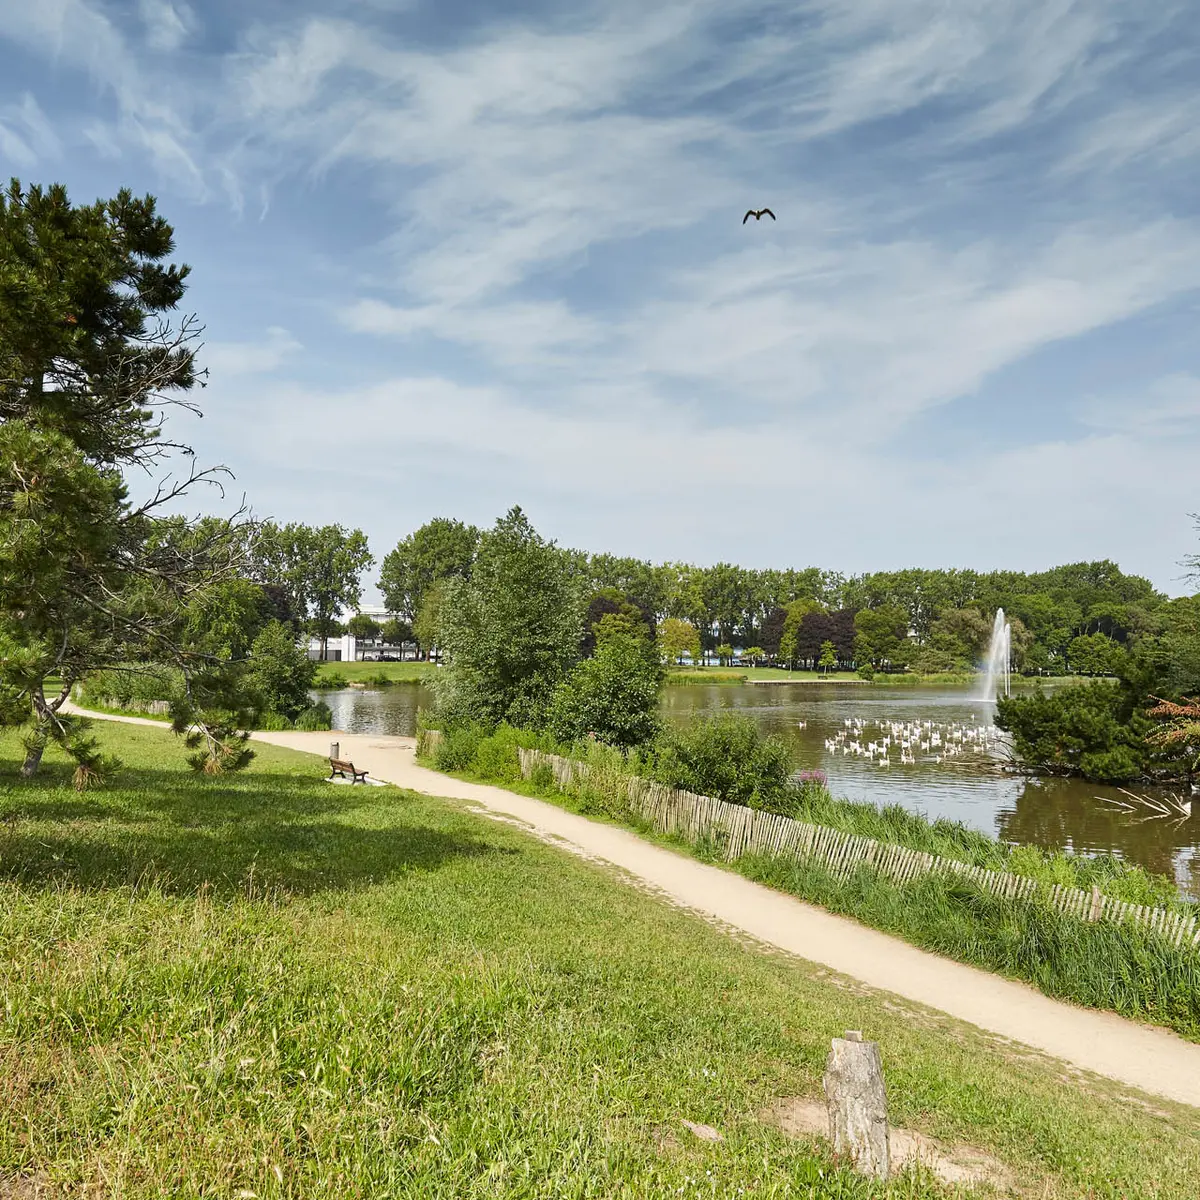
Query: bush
point(612, 696)
point(456, 750)
point(274, 720)
point(728, 757)
point(280, 672)
point(496, 757)
point(332, 681)
point(316, 716)
point(1091, 730)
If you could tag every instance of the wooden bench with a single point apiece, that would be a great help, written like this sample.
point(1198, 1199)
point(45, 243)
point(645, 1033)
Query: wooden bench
point(339, 766)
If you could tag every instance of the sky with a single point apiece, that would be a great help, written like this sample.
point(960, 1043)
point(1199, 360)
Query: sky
point(453, 256)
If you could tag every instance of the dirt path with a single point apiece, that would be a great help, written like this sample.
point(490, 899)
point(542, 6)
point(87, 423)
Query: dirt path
point(1154, 1060)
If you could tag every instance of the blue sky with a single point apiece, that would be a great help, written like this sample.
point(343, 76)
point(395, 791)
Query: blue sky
point(456, 256)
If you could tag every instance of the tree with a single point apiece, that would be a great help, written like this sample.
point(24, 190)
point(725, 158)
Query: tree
point(1094, 654)
point(280, 672)
point(613, 695)
point(365, 628)
point(789, 638)
point(755, 654)
point(89, 365)
point(828, 657)
point(724, 653)
point(396, 633)
point(1095, 729)
point(611, 602)
point(1177, 737)
point(881, 636)
point(1192, 561)
point(319, 568)
point(677, 638)
point(511, 631)
point(440, 549)
point(772, 631)
point(427, 626)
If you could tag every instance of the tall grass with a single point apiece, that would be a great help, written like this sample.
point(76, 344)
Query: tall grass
point(1123, 968)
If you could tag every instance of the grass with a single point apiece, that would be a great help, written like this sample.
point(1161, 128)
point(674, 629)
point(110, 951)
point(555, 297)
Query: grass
point(1121, 968)
point(952, 839)
point(376, 673)
point(718, 676)
point(267, 986)
point(725, 676)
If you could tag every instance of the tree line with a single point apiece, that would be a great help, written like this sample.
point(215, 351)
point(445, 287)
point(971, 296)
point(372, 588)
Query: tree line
point(1076, 618)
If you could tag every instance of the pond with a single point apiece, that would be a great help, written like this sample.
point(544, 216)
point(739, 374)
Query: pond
point(967, 784)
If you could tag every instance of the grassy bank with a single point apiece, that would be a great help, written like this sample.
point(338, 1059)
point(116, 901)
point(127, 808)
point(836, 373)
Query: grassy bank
point(268, 985)
point(378, 674)
point(717, 676)
point(1117, 967)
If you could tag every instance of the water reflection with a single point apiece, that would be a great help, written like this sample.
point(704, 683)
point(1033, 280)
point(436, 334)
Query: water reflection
point(1054, 813)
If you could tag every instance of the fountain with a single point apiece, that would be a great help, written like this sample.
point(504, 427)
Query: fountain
point(999, 658)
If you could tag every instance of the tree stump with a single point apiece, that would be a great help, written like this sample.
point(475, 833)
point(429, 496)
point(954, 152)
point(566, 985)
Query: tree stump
point(857, 1103)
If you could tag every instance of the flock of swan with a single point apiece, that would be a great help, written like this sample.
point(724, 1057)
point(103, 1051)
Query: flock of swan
point(917, 741)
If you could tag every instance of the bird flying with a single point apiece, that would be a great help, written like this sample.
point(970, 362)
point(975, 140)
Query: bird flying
point(758, 214)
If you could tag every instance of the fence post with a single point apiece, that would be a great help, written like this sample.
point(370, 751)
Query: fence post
point(856, 1100)
point(1097, 904)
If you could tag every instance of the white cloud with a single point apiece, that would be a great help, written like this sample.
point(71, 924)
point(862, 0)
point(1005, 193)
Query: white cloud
point(224, 359)
point(168, 25)
point(636, 476)
point(26, 135)
point(1169, 407)
point(77, 34)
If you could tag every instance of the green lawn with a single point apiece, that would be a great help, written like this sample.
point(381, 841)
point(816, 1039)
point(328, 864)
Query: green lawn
point(396, 672)
point(265, 985)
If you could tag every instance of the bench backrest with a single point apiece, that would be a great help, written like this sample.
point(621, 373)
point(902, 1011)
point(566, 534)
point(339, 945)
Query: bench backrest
point(341, 764)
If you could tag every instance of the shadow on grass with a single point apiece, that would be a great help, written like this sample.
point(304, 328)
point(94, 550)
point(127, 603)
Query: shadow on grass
point(254, 834)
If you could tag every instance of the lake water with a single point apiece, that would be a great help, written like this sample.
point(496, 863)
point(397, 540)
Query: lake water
point(967, 785)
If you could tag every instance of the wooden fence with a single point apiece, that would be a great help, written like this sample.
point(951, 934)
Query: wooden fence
point(736, 830)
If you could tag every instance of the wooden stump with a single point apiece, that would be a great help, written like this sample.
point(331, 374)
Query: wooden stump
point(857, 1103)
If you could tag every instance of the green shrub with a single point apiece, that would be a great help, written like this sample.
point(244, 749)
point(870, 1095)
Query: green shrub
point(456, 750)
point(612, 696)
point(726, 756)
point(1092, 730)
point(333, 681)
point(274, 720)
point(496, 757)
point(280, 672)
point(316, 716)
point(542, 776)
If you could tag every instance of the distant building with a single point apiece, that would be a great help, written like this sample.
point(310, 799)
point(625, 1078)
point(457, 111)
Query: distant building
point(348, 648)
point(337, 649)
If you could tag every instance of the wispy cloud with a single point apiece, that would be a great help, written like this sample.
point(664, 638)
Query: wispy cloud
point(512, 250)
point(225, 359)
point(168, 25)
point(26, 135)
